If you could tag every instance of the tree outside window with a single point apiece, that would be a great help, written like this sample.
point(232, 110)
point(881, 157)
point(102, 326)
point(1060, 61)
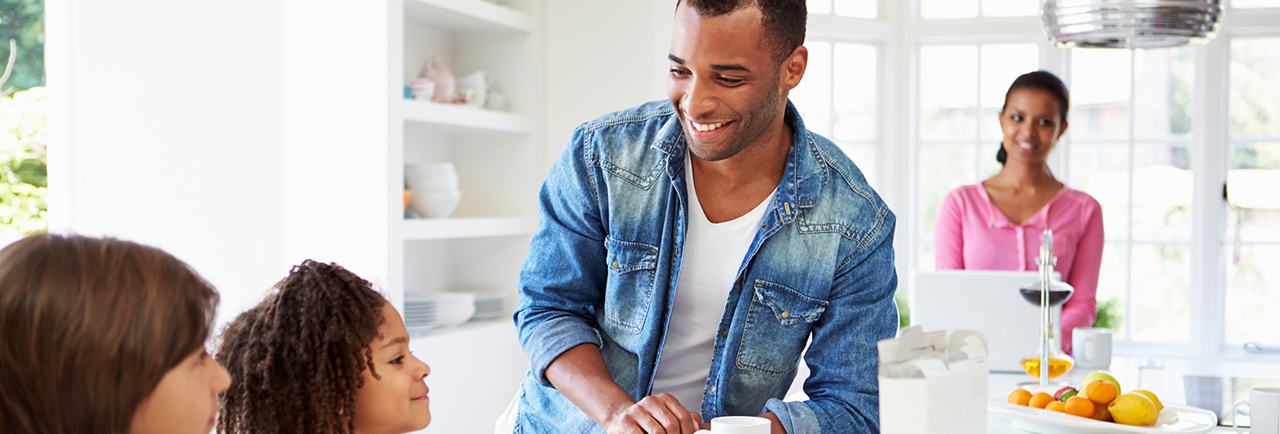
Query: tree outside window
point(23, 151)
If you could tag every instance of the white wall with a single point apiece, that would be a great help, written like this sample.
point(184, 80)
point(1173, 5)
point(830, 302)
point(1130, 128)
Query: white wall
point(173, 113)
point(602, 56)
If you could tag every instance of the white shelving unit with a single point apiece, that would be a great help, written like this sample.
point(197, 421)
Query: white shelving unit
point(347, 133)
point(481, 246)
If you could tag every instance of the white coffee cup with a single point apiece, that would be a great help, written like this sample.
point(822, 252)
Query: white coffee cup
point(1091, 347)
point(1264, 410)
point(739, 425)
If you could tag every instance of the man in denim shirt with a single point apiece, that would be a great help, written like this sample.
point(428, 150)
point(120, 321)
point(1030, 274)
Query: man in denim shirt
point(689, 249)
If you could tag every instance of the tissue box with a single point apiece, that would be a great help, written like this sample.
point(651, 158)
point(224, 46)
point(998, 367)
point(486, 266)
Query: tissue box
point(951, 400)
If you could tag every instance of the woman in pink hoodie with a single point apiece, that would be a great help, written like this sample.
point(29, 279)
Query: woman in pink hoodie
point(996, 224)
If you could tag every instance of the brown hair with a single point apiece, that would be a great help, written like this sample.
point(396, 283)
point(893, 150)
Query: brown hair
point(89, 327)
point(297, 358)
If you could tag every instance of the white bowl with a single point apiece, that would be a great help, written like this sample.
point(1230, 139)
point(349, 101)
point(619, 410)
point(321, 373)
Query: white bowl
point(431, 177)
point(434, 204)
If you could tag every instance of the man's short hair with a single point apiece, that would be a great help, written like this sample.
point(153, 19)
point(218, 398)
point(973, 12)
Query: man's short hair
point(783, 22)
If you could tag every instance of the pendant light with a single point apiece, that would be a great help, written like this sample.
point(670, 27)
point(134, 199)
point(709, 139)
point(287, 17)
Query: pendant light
point(1130, 23)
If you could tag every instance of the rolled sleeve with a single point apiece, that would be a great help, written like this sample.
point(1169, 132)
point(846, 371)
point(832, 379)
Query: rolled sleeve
point(563, 275)
point(552, 338)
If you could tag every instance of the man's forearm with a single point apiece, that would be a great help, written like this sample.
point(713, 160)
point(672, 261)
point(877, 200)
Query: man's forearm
point(581, 375)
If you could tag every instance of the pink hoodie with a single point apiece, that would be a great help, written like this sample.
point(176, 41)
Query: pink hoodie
point(973, 234)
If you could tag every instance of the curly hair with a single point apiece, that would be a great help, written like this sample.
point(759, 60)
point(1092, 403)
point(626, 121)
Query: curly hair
point(296, 358)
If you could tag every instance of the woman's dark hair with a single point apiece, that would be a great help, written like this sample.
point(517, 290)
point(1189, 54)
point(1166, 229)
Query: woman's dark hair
point(88, 327)
point(297, 358)
point(1038, 80)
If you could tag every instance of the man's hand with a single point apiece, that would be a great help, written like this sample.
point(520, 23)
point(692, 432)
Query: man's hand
point(655, 414)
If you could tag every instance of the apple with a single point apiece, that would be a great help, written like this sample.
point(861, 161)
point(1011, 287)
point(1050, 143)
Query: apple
point(1095, 376)
point(1065, 393)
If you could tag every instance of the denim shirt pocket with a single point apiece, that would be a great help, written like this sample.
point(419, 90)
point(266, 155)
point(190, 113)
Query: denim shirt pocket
point(629, 289)
point(776, 329)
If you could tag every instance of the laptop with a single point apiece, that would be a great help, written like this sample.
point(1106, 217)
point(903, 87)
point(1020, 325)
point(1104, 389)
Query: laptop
point(987, 301)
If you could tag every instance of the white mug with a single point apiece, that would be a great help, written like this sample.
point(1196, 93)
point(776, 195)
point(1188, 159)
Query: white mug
point(1091, 347)
point(1264, 410)
point(739, 425)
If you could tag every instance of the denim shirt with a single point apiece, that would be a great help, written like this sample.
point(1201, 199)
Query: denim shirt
point(603, 264)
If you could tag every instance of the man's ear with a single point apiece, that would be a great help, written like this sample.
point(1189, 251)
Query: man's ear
point(793, 67)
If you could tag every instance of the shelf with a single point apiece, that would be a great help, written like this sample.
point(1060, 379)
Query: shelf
point(454, 228)
point(463, 118)
point(467, 15)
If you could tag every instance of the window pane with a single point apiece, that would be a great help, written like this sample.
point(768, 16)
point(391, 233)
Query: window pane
point(1102, 170)
point(941, 9)
point(1001, 64)
point(819, 7)
point(987, 164)
point(1159, 293)
point(948, 91)
point(813, 96)
point(1162, 186)
point(856, 8)
point(24, 23)
point(942, 169)
point(1251, 182)
point(855, 92)
point(23, 173)
point(1251, 296)
point(1099, 94)
point(1255, 3)
point(863, 155)
point(1162, 92)
point(1010, 8)
point(1255, 87)
point(1112, 282)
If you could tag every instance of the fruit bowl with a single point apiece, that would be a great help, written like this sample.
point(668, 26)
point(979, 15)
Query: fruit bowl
point(1175, 418)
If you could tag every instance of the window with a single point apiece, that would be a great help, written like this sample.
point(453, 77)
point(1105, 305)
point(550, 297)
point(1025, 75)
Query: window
point(23, 152)
point(1153, 136)
point(962, 90)
point(1252, 241)
point(838, 99)
point(1128, 146)
point(845, 8)
point(947, 9)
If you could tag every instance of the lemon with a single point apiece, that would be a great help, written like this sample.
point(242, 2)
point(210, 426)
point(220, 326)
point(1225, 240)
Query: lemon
point(1134, 409)
point(1153, 398)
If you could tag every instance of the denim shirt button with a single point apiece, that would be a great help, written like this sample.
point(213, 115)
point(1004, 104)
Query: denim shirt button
point(615, 265)
point(713, 387)
point(786, 315)
point(724, 334)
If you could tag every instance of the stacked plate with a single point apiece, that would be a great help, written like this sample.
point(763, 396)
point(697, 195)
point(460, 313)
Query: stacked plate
point(420, 313)
point(488, 306)
point(442, 309)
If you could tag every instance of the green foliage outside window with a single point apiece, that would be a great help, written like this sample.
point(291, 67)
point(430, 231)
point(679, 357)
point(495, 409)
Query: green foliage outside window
point(23, 172)
point(23, 153)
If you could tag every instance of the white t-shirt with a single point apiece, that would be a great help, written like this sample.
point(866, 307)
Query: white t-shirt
point(712, 254)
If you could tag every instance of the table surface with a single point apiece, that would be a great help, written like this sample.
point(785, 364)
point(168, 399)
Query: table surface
point(1161, 375)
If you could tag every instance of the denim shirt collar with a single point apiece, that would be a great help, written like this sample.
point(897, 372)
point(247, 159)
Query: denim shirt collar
point(802, 179)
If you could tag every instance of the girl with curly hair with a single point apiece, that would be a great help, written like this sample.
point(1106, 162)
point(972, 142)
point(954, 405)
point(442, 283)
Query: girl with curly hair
point(323, 353)
point(99, 335)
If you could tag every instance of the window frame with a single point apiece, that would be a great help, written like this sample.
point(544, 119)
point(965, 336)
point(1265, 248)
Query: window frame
point(1210, 146)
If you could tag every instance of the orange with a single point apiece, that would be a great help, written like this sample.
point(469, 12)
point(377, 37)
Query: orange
point(1079, 406)
point(1020, 397)
point(1040, 400)
point(1057, 406)
point(1101, 391)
